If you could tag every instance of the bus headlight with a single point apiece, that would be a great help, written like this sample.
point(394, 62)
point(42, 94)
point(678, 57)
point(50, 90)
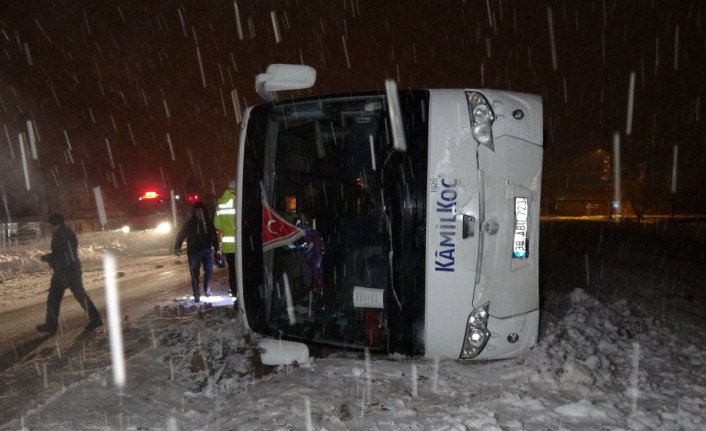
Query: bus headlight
point(482, 117)
point(483, 134)
point(164, 227)
point(477, 333)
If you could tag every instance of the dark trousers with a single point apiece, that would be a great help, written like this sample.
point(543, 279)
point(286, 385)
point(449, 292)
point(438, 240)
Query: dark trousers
point(61, 280)
point(232, 283)
point(196, 260)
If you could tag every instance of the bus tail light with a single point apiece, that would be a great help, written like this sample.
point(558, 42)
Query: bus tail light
point(477, 333)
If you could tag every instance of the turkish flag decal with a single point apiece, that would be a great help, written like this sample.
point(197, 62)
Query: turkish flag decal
point(276, 231)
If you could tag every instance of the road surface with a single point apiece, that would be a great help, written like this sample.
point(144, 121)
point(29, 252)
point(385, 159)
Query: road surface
point(144, 282)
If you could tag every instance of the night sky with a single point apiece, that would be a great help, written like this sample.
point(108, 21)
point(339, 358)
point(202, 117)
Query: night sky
point(121, 94)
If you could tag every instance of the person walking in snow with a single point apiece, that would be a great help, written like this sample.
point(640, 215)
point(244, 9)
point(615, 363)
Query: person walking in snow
point(224, 221)
point(200, 235)
point(64, 261)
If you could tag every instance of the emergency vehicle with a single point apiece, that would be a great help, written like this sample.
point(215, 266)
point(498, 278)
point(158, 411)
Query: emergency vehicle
point(158, 210)
point(398, 221)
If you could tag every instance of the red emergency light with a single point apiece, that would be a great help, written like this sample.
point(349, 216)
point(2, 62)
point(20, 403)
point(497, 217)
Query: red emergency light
point(149, 195)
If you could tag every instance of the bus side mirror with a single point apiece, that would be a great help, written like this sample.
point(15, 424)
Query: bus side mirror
point(282, 77)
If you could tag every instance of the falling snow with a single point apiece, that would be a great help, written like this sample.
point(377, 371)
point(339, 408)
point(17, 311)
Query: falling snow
point(622, 318)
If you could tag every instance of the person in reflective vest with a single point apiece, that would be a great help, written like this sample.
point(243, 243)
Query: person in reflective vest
point(224, 220)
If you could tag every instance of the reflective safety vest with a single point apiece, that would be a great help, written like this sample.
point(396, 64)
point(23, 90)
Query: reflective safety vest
point(224, 220)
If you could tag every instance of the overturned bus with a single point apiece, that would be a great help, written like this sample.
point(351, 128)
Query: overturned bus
point(398, 221)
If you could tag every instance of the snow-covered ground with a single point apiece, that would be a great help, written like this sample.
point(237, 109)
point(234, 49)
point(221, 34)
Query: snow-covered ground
point(623, 326)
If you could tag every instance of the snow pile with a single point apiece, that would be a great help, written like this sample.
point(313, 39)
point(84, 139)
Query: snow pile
point(598, 367)
point(213, 352)
point(617, 361)
point(623, 352)
point(26, 259)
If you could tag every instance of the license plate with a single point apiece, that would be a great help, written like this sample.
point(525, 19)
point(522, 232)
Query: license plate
point(521, 238)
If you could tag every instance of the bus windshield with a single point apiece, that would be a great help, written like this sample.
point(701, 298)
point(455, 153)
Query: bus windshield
point(333, 221)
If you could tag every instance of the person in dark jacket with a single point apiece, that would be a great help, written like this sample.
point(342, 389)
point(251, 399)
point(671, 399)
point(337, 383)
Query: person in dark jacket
point(200, 235)
point(64, 261)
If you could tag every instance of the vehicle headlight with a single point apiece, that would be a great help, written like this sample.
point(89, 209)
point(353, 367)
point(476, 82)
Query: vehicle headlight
point(482, 118)
point(164, 227)
point(483, 134)
point(477, 334)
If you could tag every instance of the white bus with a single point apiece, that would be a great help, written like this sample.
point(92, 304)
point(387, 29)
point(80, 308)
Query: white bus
point(398, 221)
